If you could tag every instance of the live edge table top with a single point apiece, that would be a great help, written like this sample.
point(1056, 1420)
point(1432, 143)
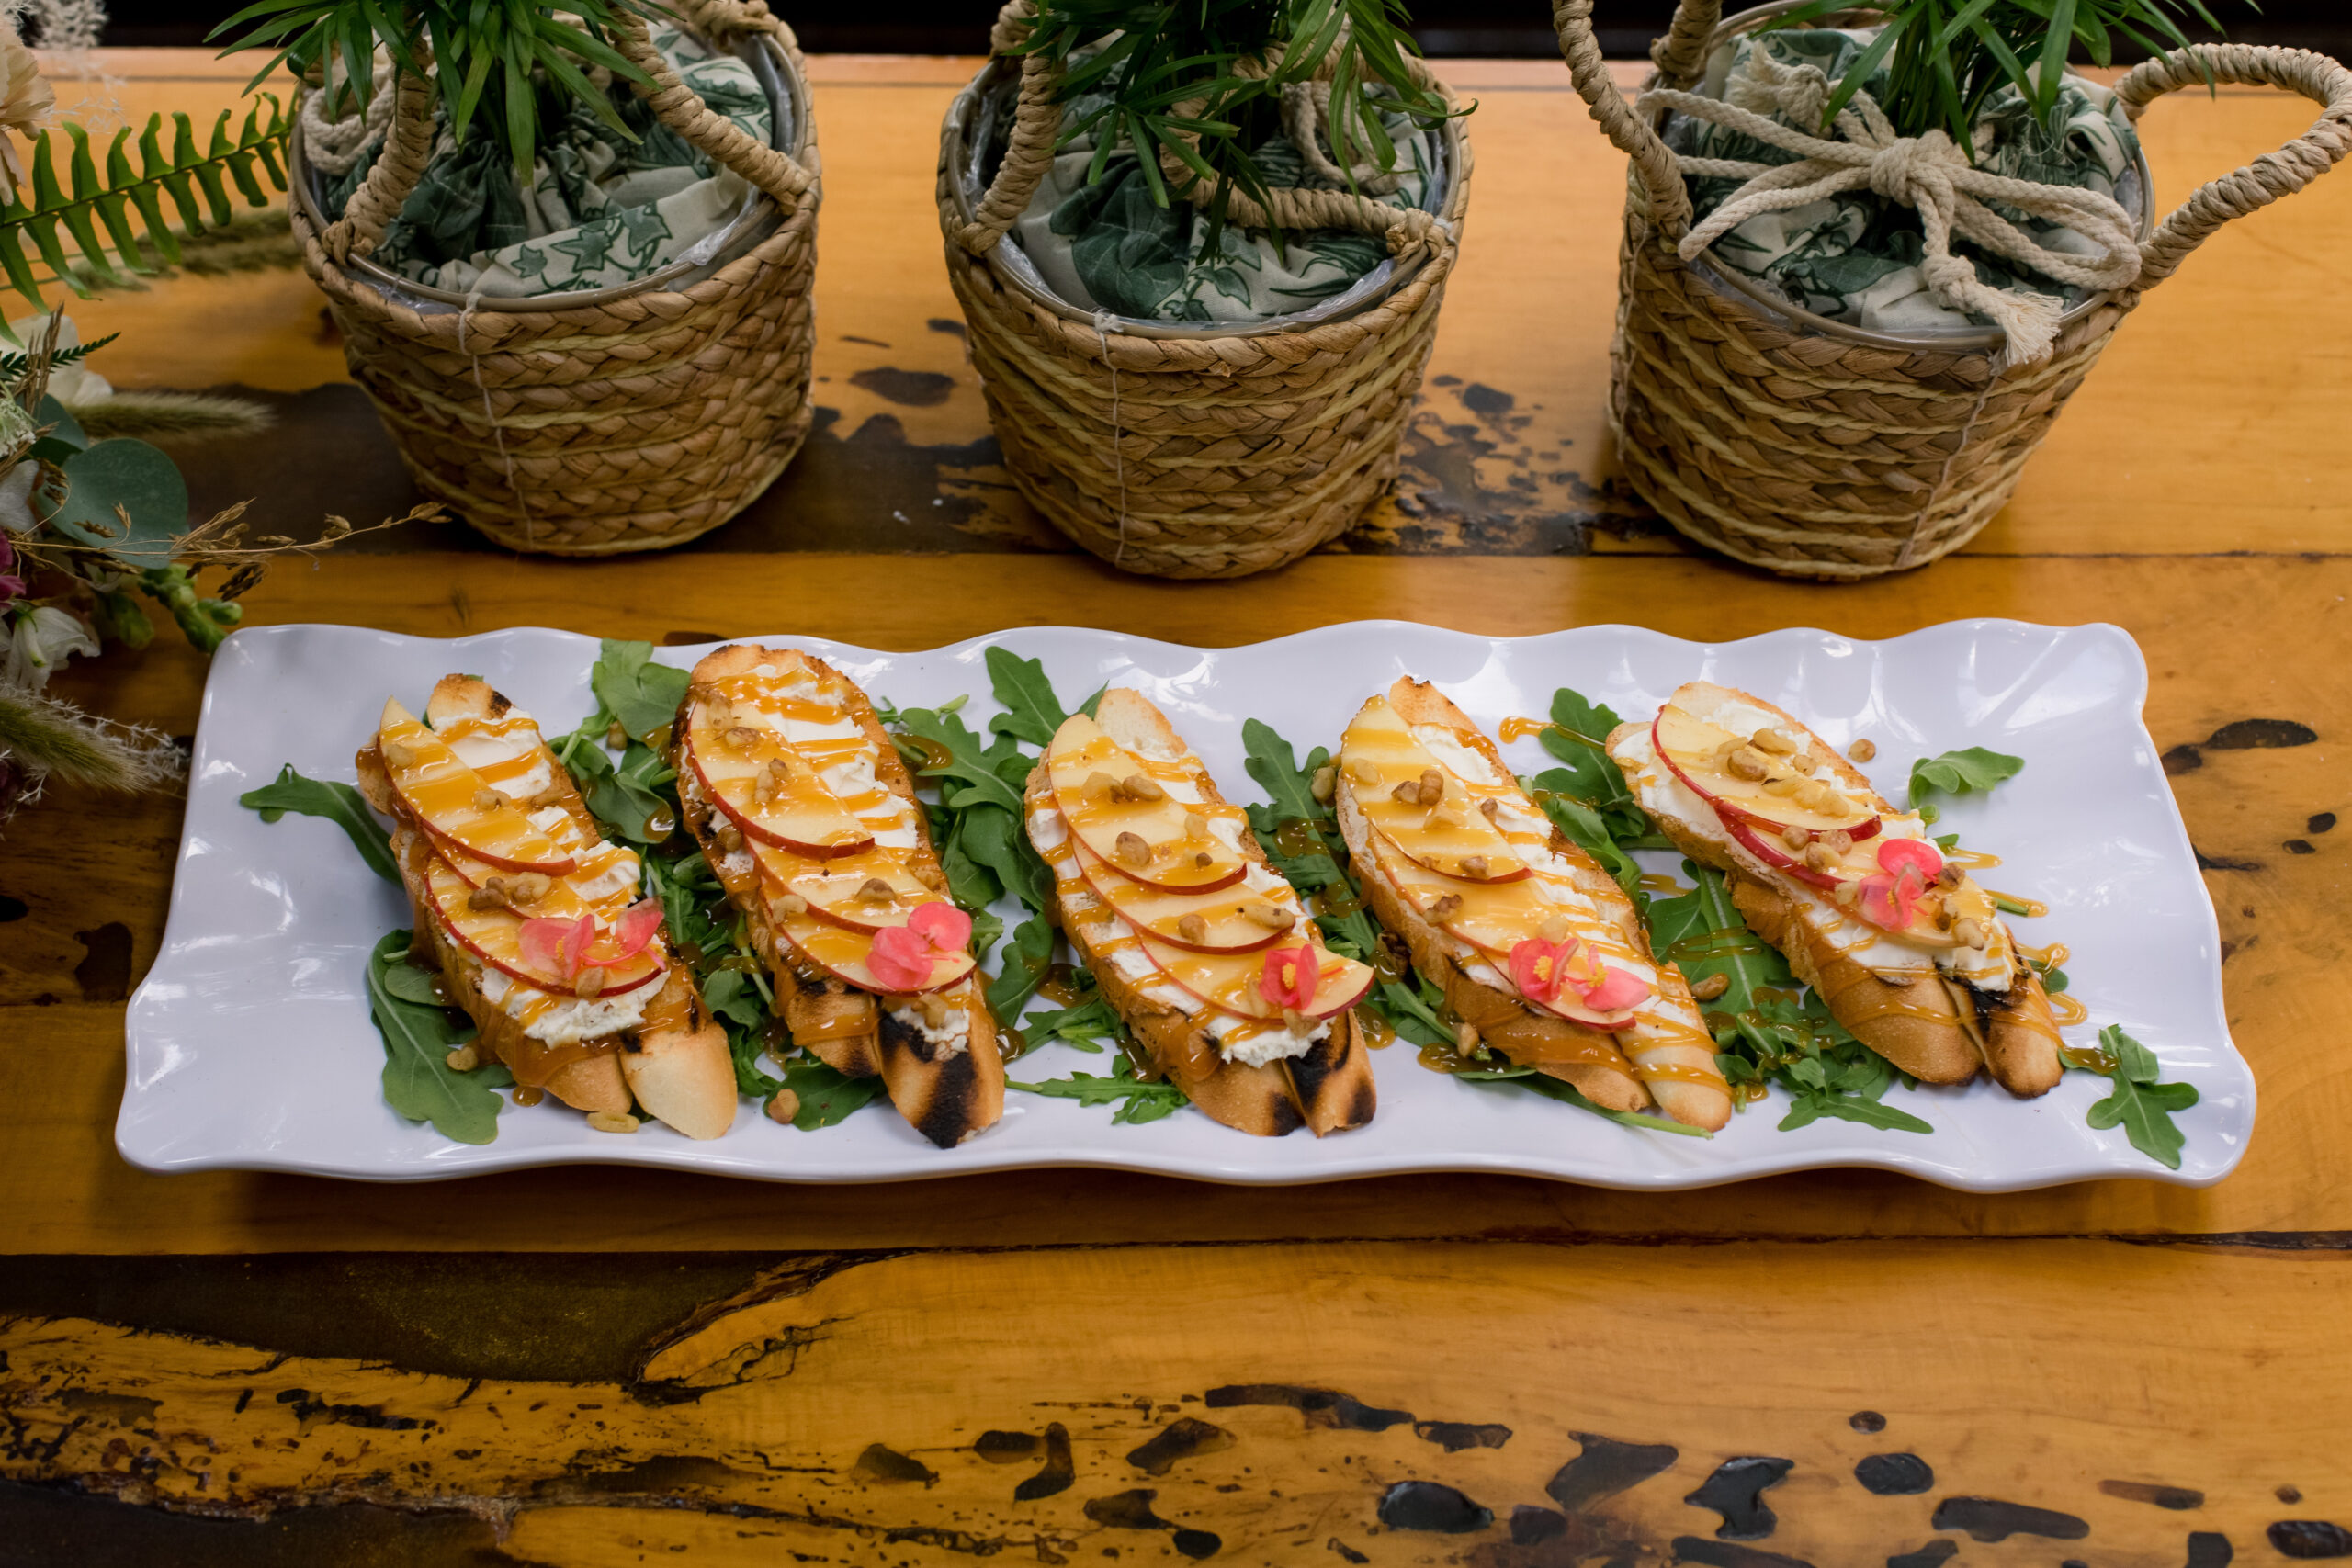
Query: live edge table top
point(593, 1366)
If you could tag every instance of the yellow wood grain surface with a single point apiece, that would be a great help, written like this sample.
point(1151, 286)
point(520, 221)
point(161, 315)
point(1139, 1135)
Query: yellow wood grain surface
point(1299, 1396)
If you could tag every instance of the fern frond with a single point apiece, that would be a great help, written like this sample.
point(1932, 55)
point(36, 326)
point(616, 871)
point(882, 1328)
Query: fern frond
point(14, 364)
point(95, 229)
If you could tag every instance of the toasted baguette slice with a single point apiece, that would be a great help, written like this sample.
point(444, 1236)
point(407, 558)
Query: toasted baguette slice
point(1504, 1020)
point(1933, 1026)
point(948, 1091)
point(1328, 1090)
point(675, 1062)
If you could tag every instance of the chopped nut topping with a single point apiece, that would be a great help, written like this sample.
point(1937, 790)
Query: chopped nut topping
point(1364, 771)
point(1465, 1035)
point(1195, 824)
point(1273, 917)
point(1556, 928)
point(1445, 906)
point(554, 795)
point(1131, 849)
point(1323, 784)
point(770, 781)
point(1139, 787)
point(1797, 839)
point(464, 1059)
point(1204, 859)
point(1949, 876)
point(1942, 910)
point(1783, 784)
point(491, 895)
point(1410, 792)
point(782, 1105)
point(1473, 865)
point(1099, 785)
point(612, 1121)
point(791, 903)
point(876, 891)
point(529, 888)
point(1846, 892)
point(1708, 987)
point(729, 837)
point(742, 736)
point(1490, 809)
point(934, 1007)
point(1191, 928)
point(591, 983)
point(1432, 786)
point(1863, 751)
point(1839, 838)
point(1970, 932)
point(398, 756)
point(1820, 857)
point(1296, 1022)
point(1773, 743)
point(1747, 763)
point(486, 799)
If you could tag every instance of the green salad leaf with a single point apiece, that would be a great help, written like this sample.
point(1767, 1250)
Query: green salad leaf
point(1972, 770)
point(637, 693)
point(1579, 737)
point(827, 1097)
point(1568, 1094)
point(1032, 710)
point(2139, 1104)
point(419, 1034)
point(1138, 1101)
point(338, 803)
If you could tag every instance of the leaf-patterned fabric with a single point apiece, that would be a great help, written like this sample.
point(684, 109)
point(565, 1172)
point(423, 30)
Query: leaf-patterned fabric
point(1108, 246)
point(599, 210)
point(1855, 258)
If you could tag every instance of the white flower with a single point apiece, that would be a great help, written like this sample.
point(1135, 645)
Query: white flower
point(26, 103)
point(16, 497)
point(42, 638)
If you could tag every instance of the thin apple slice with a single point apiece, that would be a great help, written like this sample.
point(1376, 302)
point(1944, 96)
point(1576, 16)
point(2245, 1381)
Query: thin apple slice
point(1146, 834)
point(1698, 752)
point(1494, 918)
point(863, 899)
point(1225, 926)
point(769, 790)
point(847, 954)
point(600, 862)
point(1230, 982)
point(451, 800)
point(495, 936)
point(1390, 773)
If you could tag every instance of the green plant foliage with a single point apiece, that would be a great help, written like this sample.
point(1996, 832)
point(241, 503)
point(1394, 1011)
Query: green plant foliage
point(1944, 57)
point(489, 59)
point(1172, 74)
point(137, 479)
point(111, 211)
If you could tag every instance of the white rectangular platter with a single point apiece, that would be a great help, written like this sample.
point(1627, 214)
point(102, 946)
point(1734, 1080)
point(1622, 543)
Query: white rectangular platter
point(251, 1047)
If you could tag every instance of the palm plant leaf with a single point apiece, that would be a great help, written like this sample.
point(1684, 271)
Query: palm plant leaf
point(114, 219)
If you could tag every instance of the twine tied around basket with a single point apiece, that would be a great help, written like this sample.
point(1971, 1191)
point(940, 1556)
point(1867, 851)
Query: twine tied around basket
point(1928, 172)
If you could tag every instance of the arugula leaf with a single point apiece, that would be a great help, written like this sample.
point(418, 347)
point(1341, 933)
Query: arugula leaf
point(1812, 1105)
point(338, 803)
point(1083, 1026)
point(1032, 711)
point(1585, 827)
point(827, 1097)
point(1969, 771)
point(1568, 1094)
point(418, 1081)
point(1289, 787)
point(637, 693)
point(2139, 1104)
point(992, 838)
point(1579, 737)
point(1138, 1101)
point(1026, 958)
point(970, 765)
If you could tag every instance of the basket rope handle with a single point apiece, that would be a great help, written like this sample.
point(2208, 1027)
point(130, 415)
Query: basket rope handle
point(1677, 56)
point(1036, 133)
point(408, 145)
point(2269, 176)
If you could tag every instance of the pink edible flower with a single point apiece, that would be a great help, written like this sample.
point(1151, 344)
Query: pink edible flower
point(1540, 968)
point(1622, 989)
point(901, 959)
point(1291, 976)
point(943, 925)
point(560, 946)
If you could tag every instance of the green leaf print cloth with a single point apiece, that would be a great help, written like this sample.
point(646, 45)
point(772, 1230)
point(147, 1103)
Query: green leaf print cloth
point(599, 210)
point(1107, 246)
point(1854, 257)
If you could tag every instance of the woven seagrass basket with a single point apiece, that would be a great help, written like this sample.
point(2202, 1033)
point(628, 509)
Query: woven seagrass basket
point(1817, 449)
point(628, 418)
point(1177, 451)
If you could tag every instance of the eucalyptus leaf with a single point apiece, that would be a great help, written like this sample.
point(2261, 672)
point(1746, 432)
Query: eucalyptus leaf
point(137, 479)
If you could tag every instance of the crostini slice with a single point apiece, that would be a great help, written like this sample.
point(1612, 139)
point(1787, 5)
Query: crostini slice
point(1909, 953)
point(1159, 886)
point(1534, 946)
point(801, 805)
point(533, 920)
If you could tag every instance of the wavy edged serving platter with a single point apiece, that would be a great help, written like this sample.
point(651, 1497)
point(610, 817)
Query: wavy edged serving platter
point(251, 1047)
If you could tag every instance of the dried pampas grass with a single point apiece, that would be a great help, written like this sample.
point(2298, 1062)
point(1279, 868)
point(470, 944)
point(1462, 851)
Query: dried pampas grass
point(53, 739)
point(166, 417)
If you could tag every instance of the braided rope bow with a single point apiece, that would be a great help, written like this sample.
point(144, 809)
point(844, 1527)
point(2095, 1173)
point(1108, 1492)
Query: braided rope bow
point(1928, 172)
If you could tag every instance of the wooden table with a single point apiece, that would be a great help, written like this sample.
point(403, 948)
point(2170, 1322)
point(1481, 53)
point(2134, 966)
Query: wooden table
point(591, 1367)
